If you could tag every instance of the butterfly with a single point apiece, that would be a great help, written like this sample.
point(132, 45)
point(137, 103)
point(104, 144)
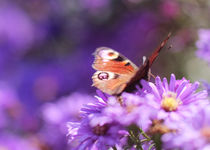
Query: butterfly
point(116, 74)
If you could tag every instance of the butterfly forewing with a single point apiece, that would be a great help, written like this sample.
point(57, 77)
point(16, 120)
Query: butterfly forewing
point(107, 59)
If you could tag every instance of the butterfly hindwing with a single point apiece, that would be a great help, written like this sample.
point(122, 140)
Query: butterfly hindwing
point(109, 82)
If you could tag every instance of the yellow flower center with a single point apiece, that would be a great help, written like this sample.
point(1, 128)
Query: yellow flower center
point(170, 102)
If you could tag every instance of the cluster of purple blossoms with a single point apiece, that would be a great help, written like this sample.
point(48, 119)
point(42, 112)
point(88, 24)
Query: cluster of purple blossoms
point(203, 44)
point(170, 111)
point(96, 130)
point(193, 133)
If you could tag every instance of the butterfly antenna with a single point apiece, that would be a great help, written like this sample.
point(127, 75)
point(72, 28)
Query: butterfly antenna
point(157, 51)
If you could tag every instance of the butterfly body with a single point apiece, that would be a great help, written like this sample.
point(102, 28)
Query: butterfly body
point(115, 73)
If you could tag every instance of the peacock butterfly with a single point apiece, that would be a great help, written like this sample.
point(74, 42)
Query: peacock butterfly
point(116, 74)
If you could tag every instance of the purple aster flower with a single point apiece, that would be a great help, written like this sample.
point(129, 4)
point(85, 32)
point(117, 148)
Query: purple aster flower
point(66, 108)
point(13, 111)
point(203, 44)
point(106, 122)
point(192, 134)
point(9, 104)
point(56, 115)
point(98, 136)
point(3, 121)
point(96, 130)
point(10, 141)
point(175, 100)
point(130, 110)
point(8, 96)
point(207, 87)
point(16, 39)
point(145, 146)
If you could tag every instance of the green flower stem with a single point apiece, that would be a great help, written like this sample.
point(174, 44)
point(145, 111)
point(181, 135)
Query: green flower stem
point(145, 140)
point(152, 145)
point(144, 134)
point(135, 140)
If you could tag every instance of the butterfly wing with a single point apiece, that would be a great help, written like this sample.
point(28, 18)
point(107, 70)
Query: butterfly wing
point(114, 71)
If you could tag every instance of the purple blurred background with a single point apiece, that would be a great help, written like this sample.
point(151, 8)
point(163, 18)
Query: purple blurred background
point(46, 56)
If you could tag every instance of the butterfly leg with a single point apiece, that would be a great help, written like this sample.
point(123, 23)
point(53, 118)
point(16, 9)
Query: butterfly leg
point(150, 75)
